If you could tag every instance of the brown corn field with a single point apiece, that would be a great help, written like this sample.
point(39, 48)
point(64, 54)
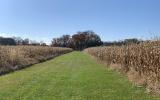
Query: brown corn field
point(143, 59)
point(17, 57)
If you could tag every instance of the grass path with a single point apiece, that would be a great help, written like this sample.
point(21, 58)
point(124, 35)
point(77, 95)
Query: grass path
point(73, 76)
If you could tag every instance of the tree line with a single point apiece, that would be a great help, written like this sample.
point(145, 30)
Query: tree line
point(78, 41)
point(123, 42)
point(19, 41)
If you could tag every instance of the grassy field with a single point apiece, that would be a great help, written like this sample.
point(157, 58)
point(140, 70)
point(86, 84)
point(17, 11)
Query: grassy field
point(73, 76)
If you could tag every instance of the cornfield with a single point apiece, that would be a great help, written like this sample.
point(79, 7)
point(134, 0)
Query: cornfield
point(17, 57)
point(142, 59)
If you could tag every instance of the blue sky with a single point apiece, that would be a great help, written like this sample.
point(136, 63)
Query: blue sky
point(111, 19)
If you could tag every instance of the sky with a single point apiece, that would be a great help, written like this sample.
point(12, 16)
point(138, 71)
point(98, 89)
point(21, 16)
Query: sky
point(43, 20)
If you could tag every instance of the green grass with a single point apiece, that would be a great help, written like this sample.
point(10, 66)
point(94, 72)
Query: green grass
point(73, 76)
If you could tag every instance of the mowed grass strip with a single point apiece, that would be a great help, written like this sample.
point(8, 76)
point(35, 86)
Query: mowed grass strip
point(73, 76)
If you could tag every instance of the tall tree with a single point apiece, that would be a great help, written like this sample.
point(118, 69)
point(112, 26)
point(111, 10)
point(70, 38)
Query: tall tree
point(78, 41)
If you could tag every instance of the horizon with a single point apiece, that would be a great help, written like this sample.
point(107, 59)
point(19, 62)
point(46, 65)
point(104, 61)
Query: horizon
point(112, 20)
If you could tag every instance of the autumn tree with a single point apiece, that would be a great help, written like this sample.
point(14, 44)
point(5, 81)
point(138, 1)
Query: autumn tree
point(78, 41)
